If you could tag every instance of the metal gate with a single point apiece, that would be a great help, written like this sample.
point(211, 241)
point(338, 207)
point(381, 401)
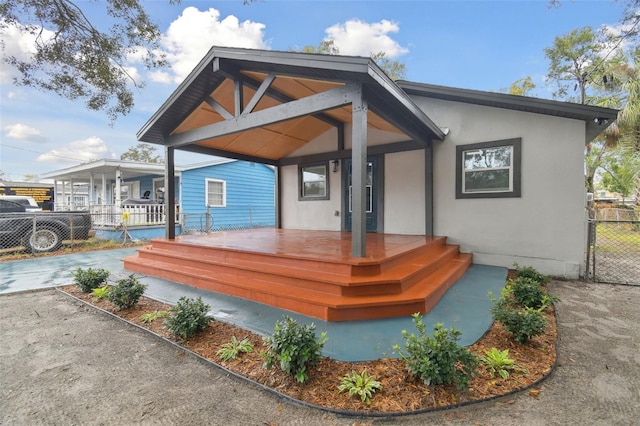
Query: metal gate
point(613, 251)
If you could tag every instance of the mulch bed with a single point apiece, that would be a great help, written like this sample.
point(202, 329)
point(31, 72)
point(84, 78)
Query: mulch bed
point(400, 393)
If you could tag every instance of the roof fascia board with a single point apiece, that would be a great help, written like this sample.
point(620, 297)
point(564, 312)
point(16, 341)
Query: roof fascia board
point(355, 64)
point(502, 100)
point(297, 108)
point(392, 88)
point(193, 75)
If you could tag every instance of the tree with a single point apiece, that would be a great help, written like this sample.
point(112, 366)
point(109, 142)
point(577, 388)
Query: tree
point(75, 58)
point(573, 57)
point(520, 87)
point(31, 178)
point(621, 173)
point(144, 153)
point(394, 69)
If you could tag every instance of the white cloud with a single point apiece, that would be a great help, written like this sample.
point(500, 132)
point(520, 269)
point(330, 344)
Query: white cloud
point(83, 150)
point(160, 77)
point(18, 42)
point(23, 132)
point(359, 38)
point(190, 37)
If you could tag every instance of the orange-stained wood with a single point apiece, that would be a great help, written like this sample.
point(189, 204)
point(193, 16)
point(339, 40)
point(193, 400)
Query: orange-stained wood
point(311, 272)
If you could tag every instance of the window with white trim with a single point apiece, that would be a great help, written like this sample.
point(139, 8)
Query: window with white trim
point(314, 182)
point(216, 193)
point(489, 169)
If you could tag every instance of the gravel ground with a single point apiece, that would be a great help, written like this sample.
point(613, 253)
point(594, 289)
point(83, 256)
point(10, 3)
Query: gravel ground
point(63, 363)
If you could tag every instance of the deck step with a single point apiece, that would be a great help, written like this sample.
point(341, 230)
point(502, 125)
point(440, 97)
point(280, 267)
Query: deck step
point(329, 307)
point(332, 290)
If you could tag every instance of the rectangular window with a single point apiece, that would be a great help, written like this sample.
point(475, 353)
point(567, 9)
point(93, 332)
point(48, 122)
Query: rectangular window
point(216, 195)
point(488, 169)
point(314, 182)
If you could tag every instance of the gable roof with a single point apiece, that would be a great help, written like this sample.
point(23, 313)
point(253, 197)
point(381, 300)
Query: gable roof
point(201, 114)
point(597, 119)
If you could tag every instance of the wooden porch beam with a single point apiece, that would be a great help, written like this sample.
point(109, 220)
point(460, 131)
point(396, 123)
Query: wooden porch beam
point(359, 179)
point(233, 73)
point(320, 102)
point(219, 108)
point(238, 98)
point(199, 149)
point(259, 94)
point(428, 189)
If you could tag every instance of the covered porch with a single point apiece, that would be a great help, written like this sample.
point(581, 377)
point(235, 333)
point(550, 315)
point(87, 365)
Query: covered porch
point(327, 124)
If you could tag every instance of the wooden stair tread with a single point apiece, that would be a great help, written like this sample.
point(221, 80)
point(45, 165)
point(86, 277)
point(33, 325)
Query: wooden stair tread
point(409, 275)
point(414, 294)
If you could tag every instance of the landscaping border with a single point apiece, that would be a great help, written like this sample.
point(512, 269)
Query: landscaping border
point(297, 402)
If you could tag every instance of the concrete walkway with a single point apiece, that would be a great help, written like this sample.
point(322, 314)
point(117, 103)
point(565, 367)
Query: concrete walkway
point(63, 363)
point(465, 306)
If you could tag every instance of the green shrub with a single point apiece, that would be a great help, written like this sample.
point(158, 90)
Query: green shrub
point(521, 322)
point(232, 349)
point(531, 273)
point(528, 292)
point(498, 362)
point(152, 316)
point(362, 385)
point(437, 360)
point(126, 293)
point(100, 292)
point(89, 279)
point(188, 317)
point(295, 347)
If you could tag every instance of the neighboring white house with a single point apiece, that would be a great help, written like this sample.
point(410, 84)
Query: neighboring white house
point(500, 175)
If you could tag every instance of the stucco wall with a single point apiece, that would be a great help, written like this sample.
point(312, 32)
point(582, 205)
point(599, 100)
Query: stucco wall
point(543, 228)
point(404, 193)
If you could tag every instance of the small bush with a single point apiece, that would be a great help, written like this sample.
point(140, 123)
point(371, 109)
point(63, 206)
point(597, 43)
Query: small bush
point(532, 274)
point(362, 385)
point(528, 292)
point(498, 362)
point(100, 292)
point(295, 347)
point(437, 360)
point(188, 317)
point(127, 292)
point(89, 279)
point(152, 316)
point(235, 347)
point(521, 322)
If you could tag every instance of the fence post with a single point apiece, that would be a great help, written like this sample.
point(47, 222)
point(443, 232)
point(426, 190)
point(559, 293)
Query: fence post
point(589, 239)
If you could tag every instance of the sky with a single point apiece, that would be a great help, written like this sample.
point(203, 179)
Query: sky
point(482, 45)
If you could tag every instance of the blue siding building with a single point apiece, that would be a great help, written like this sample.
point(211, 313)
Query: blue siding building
point(227, 194)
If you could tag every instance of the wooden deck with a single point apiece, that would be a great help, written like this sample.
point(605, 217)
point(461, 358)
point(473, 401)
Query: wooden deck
point(311, 272)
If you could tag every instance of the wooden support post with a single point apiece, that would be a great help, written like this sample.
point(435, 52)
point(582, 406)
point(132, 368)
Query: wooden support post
point(359, 179)
point(169, 194)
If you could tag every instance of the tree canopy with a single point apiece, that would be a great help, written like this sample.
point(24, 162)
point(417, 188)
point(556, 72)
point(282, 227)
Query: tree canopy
point(394, 69)
point(80, 59)
point(144, 153)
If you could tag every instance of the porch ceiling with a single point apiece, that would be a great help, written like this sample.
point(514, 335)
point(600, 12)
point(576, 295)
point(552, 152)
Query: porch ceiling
point(241, 103)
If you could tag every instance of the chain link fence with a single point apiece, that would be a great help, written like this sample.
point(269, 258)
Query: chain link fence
point(215, 220)
point(42, 232)
point(613, 252)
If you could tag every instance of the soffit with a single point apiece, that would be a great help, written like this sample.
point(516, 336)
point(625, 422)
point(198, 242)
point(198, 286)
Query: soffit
point(297, 76)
